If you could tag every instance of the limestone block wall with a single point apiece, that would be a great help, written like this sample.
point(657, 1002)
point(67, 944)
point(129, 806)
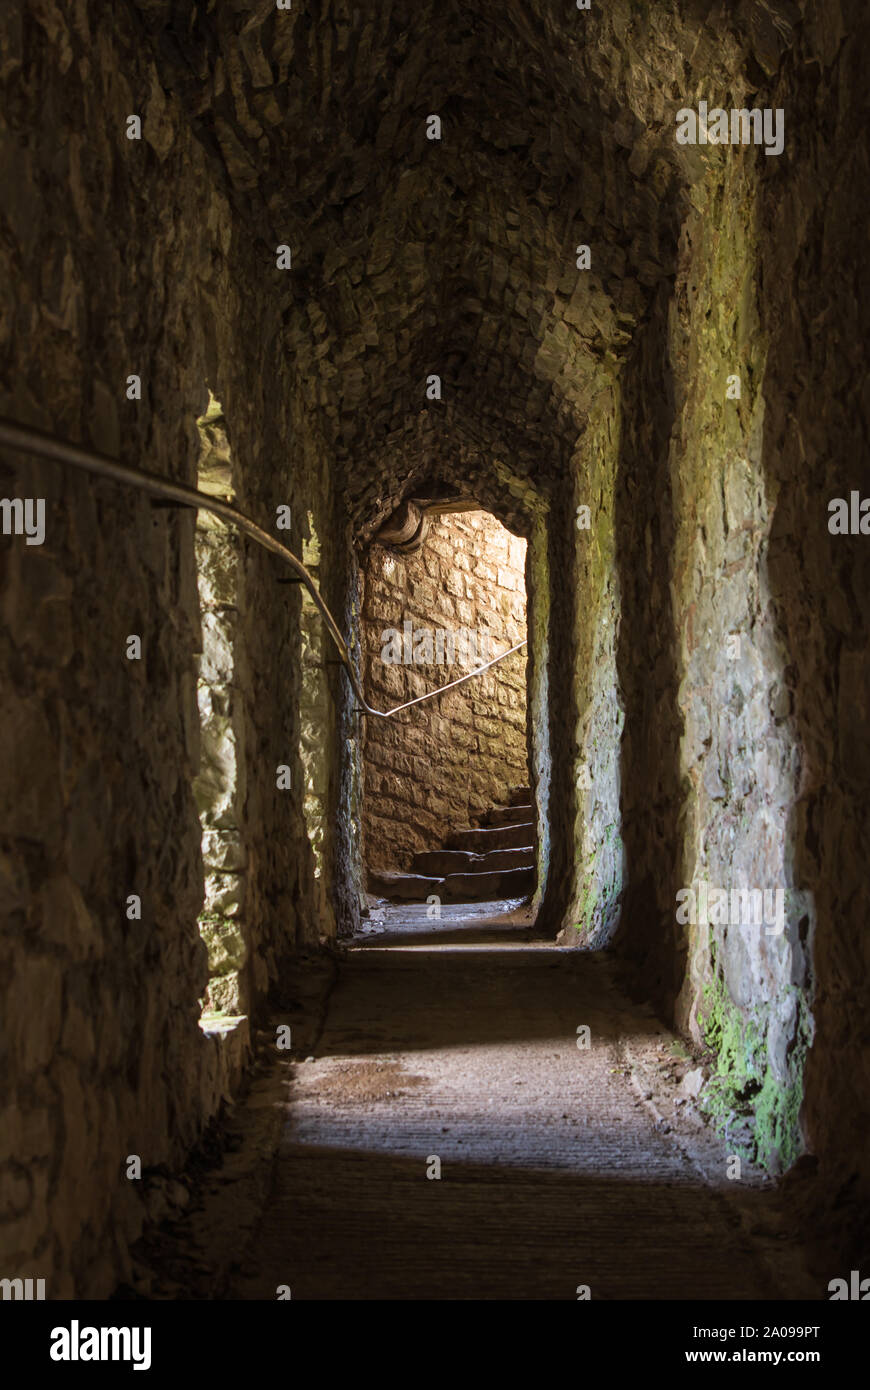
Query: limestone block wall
point(538, 701)
point(317, 745)
point(646, 663)
point(117, 258)
point(430, 769)
point(219, 786)
point(814, 310)
point(741, 660)
point(329, 731)
point(710, 755)
point(315, 712)
point(739, 757)
point(587, 714)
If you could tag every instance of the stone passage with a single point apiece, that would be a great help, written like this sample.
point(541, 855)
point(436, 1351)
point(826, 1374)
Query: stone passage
point(402, 257)
point(495, 859)
point(446, 1138)
point(428, 618)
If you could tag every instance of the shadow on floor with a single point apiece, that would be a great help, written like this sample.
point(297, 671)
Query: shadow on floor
point(364, 1226)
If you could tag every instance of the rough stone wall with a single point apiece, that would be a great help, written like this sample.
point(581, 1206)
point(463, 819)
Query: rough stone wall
point(271, 472)
point(584, 821)
point(118, 258)
point(219, 785)
point(646, 663)
point(317, 722)
point(330, 744)
point(739, 757)
point(430, 769)
point(743, 668)
point(709, 755)
point(815, 314)
point(598, 862)
point(538, 701)
point(725, 642)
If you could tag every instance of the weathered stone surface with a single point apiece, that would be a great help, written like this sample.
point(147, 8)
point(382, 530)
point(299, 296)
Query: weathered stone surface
point(226, 943)
point(439, 862)
point(223, 849)
point(521, 814)
point(116, 260)
point(496, 838)
point(506, 883)
point(410, 887)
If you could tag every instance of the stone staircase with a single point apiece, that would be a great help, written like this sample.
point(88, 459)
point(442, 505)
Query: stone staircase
point(495, 859)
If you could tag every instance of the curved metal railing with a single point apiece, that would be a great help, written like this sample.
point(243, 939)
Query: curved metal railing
point(32, 441)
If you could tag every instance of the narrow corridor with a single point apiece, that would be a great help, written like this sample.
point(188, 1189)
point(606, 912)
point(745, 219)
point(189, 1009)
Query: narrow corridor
point(560, 1166)
point(434, 657)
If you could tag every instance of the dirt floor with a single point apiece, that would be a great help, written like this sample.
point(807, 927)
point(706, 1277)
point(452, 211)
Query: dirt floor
point(452, 1047)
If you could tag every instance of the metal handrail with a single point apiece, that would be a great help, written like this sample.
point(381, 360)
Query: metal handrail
point(478, 670)
point(32, 441)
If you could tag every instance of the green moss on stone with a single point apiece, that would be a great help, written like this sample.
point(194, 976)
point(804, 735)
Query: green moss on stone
point(743, 1096)
point(777, 1125)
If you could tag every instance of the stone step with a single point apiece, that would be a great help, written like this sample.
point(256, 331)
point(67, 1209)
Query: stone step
point(440, 862)
point(508, 883)
point(446, 861)
point(522, 858)
point(521, 796)
point(507, 815)
point(408, 887)
point(494, 837)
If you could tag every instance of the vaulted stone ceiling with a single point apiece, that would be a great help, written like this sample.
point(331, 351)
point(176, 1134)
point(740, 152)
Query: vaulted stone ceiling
point(457, 257)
